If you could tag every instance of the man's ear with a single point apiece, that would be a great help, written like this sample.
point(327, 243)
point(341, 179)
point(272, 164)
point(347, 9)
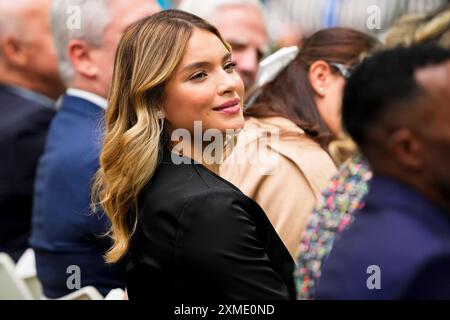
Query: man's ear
point(406, 149)
point(318, 76)
point(81, 57)
point(13, 52)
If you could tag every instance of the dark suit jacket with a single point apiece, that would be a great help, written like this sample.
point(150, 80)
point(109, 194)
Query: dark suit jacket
point(401, 232)
point(65, 232)
point(200, 238)
point(23, 130)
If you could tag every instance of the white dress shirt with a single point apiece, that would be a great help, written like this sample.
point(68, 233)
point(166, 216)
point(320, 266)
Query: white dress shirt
point(89, 96)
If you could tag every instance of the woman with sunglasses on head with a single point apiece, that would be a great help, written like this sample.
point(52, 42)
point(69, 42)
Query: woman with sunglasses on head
point(186, 233)
point(329, 57)
point(335, 212)
point(303, 103)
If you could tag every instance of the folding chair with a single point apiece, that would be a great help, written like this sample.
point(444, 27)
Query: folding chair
point(26, 270)
point(12, 287)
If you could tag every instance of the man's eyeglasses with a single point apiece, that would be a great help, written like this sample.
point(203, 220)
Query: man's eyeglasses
point(344, 70)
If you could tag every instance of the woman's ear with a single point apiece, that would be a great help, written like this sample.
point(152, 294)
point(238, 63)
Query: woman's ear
point(318, 75)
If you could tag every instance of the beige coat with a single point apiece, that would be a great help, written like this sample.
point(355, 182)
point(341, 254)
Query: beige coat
point(284, 176)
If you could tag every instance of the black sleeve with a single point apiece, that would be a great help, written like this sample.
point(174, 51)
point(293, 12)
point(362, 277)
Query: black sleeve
point(432, 281)
point(219, 254)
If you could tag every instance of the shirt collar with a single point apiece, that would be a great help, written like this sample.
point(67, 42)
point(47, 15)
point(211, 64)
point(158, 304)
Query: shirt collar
point(89, 96)
point(31, 95)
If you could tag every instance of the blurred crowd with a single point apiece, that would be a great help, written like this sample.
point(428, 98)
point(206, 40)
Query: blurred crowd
point(358, 91)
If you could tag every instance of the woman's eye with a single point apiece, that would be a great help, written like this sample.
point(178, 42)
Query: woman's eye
point(230, 66)
point(198, 76)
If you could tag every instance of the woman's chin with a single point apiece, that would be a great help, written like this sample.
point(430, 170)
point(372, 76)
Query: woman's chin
point(237, 123)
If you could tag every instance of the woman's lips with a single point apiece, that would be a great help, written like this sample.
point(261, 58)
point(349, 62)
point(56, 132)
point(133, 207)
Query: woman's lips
point(231, 110)
point(229, 107)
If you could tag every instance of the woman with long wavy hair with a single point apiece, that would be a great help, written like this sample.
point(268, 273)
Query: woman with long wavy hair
point(186, 233)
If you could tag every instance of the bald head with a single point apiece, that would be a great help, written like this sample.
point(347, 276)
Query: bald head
point(24, 32)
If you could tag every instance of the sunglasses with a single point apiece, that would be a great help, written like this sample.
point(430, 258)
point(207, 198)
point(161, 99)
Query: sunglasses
point(344, 70)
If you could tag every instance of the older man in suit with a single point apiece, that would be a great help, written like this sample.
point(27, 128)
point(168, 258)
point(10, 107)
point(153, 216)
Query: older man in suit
point(242, 24)
point(29, 86)
point(396, 108)
point(68, 238)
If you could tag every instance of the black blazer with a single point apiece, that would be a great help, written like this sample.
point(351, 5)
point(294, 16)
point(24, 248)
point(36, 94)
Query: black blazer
point(199, 238)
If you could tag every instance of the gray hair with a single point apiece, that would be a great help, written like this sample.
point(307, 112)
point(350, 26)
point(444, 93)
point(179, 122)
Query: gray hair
point(10, 24)
point(207, 9)
point(77, 19)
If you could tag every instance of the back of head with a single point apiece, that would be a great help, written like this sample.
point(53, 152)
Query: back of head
point(24, 32)
point(396, 108)
point(147, 56)
point(77, 19)
point(384, 86)
point(421, 29)
point(339, 45)
point(290, 96)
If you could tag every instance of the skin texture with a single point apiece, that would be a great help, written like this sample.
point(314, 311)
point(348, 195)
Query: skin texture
point(412, 143)
point(328, 89)
point(94, 65)
point(243, 27)
point(27, 33)
point(204, 80)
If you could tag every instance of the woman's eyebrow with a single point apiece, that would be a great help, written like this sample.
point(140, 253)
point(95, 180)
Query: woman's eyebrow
point(204, 64)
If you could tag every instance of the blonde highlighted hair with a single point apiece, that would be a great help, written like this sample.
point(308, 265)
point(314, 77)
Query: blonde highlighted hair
point(147, 56)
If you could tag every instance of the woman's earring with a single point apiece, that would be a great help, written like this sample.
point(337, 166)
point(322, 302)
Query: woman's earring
point(160, 115)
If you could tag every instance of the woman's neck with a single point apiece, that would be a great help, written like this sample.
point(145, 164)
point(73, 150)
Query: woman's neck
point(198, 154)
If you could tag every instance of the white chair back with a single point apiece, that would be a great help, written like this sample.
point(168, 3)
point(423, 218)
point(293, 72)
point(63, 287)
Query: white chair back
point(12, 287)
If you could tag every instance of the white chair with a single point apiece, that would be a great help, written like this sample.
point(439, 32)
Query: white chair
point(26, 270)
point(12, 287)
point(116, 294)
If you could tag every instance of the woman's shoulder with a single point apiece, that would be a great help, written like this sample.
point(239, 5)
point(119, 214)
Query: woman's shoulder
point(278, 134)
point(175, 186)
point(286, 150)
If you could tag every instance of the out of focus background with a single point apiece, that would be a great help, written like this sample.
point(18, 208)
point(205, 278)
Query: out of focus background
point(295, 58)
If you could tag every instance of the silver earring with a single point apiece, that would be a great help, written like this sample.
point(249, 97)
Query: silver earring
point(160, 114)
